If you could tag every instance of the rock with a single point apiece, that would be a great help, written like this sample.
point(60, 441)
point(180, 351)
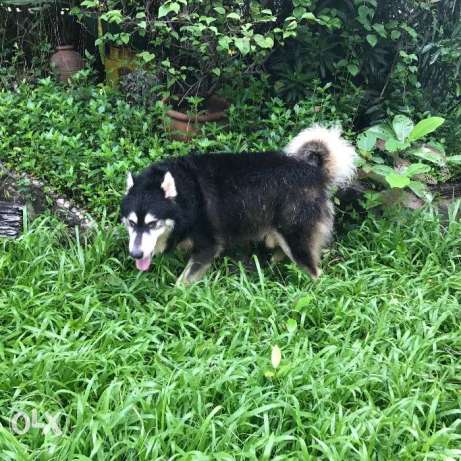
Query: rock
point(10, 219)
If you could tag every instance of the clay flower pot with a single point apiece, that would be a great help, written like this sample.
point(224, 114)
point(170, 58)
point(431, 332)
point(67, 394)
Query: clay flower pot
point(184, 126)
point(66, 62)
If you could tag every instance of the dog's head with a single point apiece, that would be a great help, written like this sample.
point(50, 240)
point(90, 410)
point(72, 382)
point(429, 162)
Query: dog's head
point(148, 212)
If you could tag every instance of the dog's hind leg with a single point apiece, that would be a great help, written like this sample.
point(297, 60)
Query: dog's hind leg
point(280, 241)
point(197, 265)
point(301, 253)
point(305, 244)
point(272, 241)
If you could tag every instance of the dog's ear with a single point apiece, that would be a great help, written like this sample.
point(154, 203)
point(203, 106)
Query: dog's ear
point(129, 182)
point(169, 186)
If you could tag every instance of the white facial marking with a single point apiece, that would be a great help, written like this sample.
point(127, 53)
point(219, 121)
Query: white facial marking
point(133, 217)
point(149, 218)
point(152, 241)
point(169, 186)
point(129, 182)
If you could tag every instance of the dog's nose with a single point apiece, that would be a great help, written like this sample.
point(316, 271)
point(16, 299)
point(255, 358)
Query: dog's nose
point(136, 254)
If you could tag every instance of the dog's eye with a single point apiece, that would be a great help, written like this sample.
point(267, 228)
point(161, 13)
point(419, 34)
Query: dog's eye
point(152, 225)
point(131, 223)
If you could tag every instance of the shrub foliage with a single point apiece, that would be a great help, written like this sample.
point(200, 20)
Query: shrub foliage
point(396, 56)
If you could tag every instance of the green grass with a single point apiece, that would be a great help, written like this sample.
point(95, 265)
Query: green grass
point(142, 370)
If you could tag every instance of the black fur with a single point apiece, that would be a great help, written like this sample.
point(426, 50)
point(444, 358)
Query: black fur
point(228, 199)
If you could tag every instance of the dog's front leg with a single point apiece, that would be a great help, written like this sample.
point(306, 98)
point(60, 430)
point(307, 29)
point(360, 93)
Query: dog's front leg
point(197, 265)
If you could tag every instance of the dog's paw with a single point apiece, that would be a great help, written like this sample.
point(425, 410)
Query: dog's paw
point(182, 281)
point(189, 277)
point(315, 274)
point(178, 283)
point(278, 256)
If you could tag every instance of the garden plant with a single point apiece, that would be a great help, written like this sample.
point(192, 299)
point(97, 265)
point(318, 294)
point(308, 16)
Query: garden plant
point(257, 361)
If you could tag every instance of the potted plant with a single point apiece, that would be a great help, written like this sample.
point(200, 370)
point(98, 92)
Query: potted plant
point(184, 123)
point(184, 116)
point(199, 46)
point(192, 103)
point(112, 38)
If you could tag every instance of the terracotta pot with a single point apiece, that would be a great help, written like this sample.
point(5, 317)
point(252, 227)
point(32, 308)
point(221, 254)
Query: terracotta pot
point(183, 126)
point(66, 62)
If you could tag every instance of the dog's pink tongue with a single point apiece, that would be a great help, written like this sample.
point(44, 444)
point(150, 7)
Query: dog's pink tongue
point(143, 264)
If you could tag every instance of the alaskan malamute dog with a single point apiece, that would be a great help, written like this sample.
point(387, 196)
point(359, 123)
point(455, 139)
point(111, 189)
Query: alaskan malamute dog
point(211, 202)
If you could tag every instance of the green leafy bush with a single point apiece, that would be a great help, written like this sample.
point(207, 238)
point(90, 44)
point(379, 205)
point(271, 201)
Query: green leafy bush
point(379, 59)
point(141, 87)
point(81, 141)
point(403, 55)
point(392, 157)
point(197, 45)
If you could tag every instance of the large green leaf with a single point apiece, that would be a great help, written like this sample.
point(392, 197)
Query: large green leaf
point(220, 10)
point(372, 40)
point(167, 8)
point(382, 170)
point(264, 42)
point(417, 168)
point(243, 45)
point(380, 29)
point(366, 141)
point(419, 188)
point(398, 181)
point(234, 15)
point(353, 69)
point(454, 159)
point(381, 132)
point(424, 127)
point(394, 145)
point(429, 154)
point(403, 126)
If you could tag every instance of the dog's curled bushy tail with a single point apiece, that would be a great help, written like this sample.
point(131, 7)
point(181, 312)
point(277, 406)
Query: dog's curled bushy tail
point(327, 149)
